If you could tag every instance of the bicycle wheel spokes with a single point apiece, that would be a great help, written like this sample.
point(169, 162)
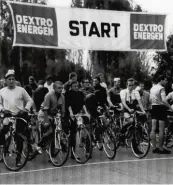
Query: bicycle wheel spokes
point(15, 153)
point(109, 144)
point(83, 148)
point(141, 142)
point(59, 149)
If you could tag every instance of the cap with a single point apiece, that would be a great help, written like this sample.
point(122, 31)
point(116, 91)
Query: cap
point(116, 79)
point(10, 72)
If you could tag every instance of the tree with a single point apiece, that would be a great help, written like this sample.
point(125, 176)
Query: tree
point(114, 63)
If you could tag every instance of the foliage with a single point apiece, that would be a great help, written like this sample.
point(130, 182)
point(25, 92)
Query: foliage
point(165, 62)
point(114, 63)
point(33, 61)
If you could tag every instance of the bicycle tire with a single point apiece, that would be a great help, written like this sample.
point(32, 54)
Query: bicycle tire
point(117, 133)
point(62, 139)
point(169, 141)
point(140, 133)
point(7, 154)
point(109, 143)
point(82, 143)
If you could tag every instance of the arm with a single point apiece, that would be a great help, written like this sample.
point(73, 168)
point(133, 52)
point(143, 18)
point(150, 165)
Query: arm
point(109, 99)
point(70, 110)
point(138, 97)
point(27, 99)
point(141, 106)
point(164, 100)
point(1, 104)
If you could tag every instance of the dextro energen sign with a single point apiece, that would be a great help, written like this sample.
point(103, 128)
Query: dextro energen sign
point(34, 25)
point(147, 31)
point(73, 28)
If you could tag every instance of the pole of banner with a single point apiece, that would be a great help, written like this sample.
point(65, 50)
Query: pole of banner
point(20, 54)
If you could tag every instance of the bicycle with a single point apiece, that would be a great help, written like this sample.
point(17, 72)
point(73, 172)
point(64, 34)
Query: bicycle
point(11, 153)
point(122, 136)
point(57, 146)
point(103, 134)
point(82, 148)
point(133, 131)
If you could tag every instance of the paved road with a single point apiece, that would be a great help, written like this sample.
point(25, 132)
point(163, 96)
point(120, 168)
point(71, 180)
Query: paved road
point(125, 168)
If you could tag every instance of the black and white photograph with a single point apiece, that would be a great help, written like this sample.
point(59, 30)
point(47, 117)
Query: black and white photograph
point(86, 91)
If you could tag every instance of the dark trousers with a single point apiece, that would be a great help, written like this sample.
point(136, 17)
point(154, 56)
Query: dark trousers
point(20, 129)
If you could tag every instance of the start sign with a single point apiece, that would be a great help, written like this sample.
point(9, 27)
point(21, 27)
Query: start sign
point(73, 28)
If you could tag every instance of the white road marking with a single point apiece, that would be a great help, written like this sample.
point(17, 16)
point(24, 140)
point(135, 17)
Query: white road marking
point(87, 164)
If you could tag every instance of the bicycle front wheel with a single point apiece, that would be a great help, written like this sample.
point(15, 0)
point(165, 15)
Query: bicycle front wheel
point(140, 142)
point(15, 152)
point(82, 149)
point(109, 143)
point(59, 148)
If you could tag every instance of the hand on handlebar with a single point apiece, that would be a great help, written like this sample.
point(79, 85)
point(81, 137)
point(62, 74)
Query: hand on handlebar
point(131, 111)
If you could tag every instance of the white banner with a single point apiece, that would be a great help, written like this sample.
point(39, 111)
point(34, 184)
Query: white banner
point(74, 28)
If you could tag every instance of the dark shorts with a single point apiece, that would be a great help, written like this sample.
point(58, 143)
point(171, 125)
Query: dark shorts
point(159, 112)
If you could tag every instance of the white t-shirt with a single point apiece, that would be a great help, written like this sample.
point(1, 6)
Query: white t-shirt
point(50, 87)
point(126, 95)
point(155, 94)
point(15, 99)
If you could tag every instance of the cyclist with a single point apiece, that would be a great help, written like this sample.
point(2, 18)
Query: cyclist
point(14, 99)
point(102, 83)
point(130, 99)
point(113, 96)
point(75, 104)
point(72, 78)
point(39, 94)
point(49, 83)
point(53, 101)
point(159, 113)
point(87, 88)
point(145, 96)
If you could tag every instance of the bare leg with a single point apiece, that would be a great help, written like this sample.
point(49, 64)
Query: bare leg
point(161, 133)
point(153, 133)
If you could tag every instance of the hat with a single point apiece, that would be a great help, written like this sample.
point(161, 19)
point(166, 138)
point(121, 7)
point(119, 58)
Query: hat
point(116, 79)
point(10, 72)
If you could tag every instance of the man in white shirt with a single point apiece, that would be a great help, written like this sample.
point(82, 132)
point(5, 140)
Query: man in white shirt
point(15, 100)
point(49, 83)
point(159, 113)
point(130, 98)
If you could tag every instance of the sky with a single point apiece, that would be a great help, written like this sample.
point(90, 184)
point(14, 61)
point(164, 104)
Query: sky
point(153, 6)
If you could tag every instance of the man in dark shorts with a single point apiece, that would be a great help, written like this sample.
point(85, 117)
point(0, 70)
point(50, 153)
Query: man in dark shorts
point(159, 113)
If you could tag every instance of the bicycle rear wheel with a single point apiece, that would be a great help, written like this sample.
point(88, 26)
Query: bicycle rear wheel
point(11, 154)
point(169, 140)
point(109, 143)
point(140, 142)
point(83, 148)
point(59, 149)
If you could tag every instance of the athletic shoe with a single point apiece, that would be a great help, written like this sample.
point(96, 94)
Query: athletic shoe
point(164, 151)
point(156, 151)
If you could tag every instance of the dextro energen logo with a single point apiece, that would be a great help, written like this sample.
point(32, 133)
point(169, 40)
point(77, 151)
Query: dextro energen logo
point(148, 31)
point(34, 25)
